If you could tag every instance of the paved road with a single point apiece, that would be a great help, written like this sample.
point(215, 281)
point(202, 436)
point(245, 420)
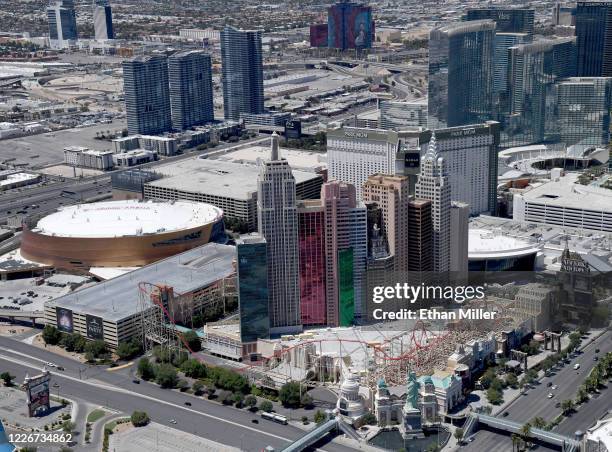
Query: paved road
point(536, 402)
point(567, 380)
point(219, 423)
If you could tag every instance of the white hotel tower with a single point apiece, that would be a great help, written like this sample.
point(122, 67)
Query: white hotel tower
point(433, 184)
point(278, 224)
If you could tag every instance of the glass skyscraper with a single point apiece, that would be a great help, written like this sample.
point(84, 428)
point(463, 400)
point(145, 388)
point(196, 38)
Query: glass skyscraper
point(191, 96)
point(311, 236)
point(147, 98)
point(103, 20)
point(583, 110)
point(242, 72)
point(461, 74)
point(62, 23)
point(253, 287)
point(532, 70)
point(508, 20)
point(594, 38)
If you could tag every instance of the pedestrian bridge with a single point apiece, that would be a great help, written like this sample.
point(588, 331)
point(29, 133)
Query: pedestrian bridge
point(565, 443)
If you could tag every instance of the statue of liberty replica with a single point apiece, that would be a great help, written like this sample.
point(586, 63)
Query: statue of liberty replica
point(411, 424)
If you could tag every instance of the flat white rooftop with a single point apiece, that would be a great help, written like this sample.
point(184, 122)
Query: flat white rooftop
point(565, 192)
point(484, 244)
point(127, 218)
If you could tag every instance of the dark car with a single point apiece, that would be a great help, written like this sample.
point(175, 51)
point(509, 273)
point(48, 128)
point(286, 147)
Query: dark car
point(595, 358)
point(136, 381)
point(255, 421)
point(60, 368)
point(188, 403)
point(596, 350)
point(558, 405)
point(549, 384)
point(505, 414)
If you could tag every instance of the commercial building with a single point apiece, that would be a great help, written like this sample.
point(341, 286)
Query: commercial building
point(563, 202)
point(120, 233)
point(196, 34)
point(564, 15)
point(103, 20)
point(354, 154)
point(502, 44)
point(83, 157)
point(230, 185)
point(263, 120)
point(507, 20)
point(420, 236)
point(318, 35)
point(278, 225)
point(532, 70)
point(583, 107)
point(594, 38)
point(494, 251)
point(191, 90)
point(396, 115)
point(62, 24)
point(194, 281)
point(147, 97)
point(470, 156)
point(311, 236)
point(133, 158)
point(242, 75)
point(461, 74)
point(10, 179)
point(349, 26)
point(391, 195)
point(252, 283)
point(460, 218)
point(161, 145)
point(346, 251)
point(433, 185)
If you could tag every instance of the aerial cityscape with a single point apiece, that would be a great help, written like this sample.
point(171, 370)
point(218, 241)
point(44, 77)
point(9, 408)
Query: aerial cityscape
point(309, 225)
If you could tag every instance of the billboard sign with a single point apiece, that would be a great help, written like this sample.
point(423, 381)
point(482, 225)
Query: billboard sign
point(37, 393)
point(412, 160)
point(95, 328)
point(64, 319)
point(293, 130)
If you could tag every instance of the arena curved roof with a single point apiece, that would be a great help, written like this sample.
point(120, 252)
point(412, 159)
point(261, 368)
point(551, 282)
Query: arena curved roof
point(126, 218)
point(483, 244)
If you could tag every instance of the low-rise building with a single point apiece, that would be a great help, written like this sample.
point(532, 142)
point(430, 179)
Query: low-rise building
point(134, 157)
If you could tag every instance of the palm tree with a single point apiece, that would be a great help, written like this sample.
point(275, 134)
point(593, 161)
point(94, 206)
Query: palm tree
point(582, 395)
point(538, 422)
point(525, 432)
point(567, 406)
point(515, 441)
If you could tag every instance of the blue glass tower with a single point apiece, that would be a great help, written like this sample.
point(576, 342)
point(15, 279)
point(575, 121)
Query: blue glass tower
point(191, 96)
point(147, 100)
point(594, 38)
point(461, 74)
point(242, 75)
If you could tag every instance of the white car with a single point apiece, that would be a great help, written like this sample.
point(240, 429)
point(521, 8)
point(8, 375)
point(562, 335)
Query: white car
point(550, 395)
point(50, 365)
point(553, 387)
point(576, 366)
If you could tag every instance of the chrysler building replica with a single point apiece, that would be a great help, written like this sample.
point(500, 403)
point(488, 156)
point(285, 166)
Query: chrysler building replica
point(433, 185)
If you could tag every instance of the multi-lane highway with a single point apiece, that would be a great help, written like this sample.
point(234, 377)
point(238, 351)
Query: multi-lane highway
point(536, 403)
point(115, 390)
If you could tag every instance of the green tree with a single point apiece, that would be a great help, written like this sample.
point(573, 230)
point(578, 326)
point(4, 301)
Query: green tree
point(582, 395)
point(290, 394)
point(166, 376)
point(319, 417)
point(182, 385)
point(51, 335)
point(198, 387)
point(146, 369)
point(494, 396)
point(525, 432)
point(266, 406)
point(238, 399)
point(250, 401)
point(538, 422)
point(567, 406)
point(130, 349)
point(193, 340)
point(7, 378)
point(511, 380)
point(96, 349)
point(68, 426)
point(458, 434)
point(139, 418)
point(193, 368)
